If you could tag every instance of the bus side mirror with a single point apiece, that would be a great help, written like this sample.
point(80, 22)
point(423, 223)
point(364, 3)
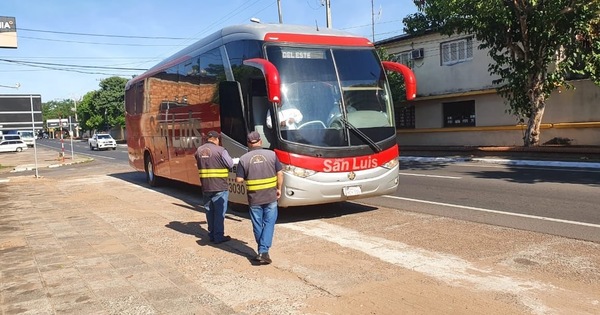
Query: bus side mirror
point(410, 82)
point(271, 77)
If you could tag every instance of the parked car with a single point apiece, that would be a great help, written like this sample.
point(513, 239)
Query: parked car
point(10, 137)
point(12, 146)
point(102, 141)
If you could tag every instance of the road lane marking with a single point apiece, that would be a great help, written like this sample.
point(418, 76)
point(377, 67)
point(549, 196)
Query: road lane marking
point(424, 175)
point(529, 216)
point(100, 156)
point(451, 269)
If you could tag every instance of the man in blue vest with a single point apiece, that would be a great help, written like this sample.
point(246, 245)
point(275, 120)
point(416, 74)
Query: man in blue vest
point(264, 177)
point(214, 163)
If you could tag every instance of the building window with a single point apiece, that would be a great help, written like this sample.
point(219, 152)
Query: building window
point(459, 114)
point(405, 117)
point(404, 58)
point(457, 51)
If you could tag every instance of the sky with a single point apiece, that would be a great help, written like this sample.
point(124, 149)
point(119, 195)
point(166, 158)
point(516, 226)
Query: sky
point(66, 47)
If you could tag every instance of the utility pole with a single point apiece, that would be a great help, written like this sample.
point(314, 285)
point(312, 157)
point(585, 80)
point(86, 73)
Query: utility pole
point(76, 121)
point(328, 12)
point(279, 10)
point(372, 22)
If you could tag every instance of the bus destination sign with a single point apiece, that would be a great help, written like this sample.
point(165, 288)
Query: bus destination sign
point(289, 53)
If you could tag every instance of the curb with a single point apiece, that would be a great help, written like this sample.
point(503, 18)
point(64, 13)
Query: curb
point(31, 167)
point(501, 162)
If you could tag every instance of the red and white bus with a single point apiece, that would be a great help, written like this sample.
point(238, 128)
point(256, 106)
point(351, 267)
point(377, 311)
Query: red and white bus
point(235, 79)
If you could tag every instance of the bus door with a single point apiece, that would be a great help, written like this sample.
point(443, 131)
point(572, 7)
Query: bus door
point(259, 109)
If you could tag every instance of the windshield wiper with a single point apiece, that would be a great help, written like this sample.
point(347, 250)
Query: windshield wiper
point(361, 134)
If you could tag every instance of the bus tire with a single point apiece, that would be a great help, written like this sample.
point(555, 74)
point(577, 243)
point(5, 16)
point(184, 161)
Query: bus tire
point(151, 177)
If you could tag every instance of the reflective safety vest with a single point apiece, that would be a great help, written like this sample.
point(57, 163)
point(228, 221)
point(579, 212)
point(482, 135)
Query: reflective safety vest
point(264, 183)
point(211, 170)
point(260, 176)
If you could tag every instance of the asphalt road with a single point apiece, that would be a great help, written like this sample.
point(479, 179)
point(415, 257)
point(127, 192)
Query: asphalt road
point(559, 201)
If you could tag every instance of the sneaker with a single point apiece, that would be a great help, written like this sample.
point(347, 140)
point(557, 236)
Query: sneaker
point(225, 238)
point(257, 258)
point(264, 258)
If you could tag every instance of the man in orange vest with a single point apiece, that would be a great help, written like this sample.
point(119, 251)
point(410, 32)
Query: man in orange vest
point(214, 163)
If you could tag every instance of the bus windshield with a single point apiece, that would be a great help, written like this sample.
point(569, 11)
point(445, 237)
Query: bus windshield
point(332, 97)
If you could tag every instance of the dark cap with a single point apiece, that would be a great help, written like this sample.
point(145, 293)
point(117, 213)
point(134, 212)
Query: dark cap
point(253, 137)
point(213, 134)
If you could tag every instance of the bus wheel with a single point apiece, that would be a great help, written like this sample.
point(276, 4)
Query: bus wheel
point(151, 178)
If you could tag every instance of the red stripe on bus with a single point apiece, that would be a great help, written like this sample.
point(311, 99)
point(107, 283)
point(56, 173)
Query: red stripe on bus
point(318, 39)
point(334, 165)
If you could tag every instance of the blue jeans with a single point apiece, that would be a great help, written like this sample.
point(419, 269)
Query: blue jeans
point(215, 206)
point(263, 224)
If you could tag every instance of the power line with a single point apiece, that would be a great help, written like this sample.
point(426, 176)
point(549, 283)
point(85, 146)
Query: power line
point(95, 43)
point(104, 35)
point(31, 63)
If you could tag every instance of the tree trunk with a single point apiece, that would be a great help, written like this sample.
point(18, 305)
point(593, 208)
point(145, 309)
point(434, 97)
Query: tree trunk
point(532, 134)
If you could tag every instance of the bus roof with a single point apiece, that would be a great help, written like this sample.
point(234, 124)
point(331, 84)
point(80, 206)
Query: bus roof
point(284, 33)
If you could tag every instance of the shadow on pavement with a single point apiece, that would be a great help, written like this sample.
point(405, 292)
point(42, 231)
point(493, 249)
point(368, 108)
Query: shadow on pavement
point(529, 175)
point(191, 196)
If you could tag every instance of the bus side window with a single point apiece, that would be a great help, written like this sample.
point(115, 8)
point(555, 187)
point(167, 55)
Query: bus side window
point(260, 106)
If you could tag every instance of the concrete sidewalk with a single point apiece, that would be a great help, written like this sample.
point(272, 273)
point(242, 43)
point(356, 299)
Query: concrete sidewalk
point(547, 156)
point(502, 161)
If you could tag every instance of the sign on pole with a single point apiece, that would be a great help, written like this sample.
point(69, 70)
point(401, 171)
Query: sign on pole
point(8, 32)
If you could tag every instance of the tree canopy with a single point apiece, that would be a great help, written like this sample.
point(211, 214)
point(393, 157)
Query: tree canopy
point(98, 110)
point(58, 109)
point(535, 45)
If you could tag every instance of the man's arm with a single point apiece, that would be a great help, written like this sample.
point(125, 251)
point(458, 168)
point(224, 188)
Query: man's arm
point(279, 170)
point(279, 183)
point(239, 173)
point(227, 159)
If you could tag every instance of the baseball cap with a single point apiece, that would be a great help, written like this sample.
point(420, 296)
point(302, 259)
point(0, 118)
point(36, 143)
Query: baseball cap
point(253, 137)
point(213, 134)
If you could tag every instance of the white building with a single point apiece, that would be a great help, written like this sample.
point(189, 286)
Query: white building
point(457, 105)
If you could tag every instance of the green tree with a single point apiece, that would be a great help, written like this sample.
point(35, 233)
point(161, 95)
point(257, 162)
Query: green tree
point(395, 79)
point(110, 100)
point(534, 44)
point(104, 108)
point(57, 109)
point(89, 120)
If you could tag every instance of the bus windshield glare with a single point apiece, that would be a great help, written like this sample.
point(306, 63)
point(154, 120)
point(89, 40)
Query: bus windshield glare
point(341, 95)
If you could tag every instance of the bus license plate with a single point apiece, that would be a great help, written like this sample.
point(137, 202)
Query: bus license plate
point(352, 190)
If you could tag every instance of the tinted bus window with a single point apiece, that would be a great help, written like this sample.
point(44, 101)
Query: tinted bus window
point(241, 50)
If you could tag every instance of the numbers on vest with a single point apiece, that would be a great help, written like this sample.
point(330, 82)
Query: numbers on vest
point(237, 188)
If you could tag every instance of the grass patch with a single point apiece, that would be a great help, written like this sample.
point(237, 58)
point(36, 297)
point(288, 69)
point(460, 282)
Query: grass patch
point(5, 166)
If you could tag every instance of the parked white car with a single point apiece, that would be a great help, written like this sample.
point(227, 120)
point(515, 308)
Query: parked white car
point(100, 141)
point(12, 146)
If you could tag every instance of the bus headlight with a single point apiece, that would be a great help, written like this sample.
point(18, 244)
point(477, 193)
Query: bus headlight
point(297, 171)
point(391, 164)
